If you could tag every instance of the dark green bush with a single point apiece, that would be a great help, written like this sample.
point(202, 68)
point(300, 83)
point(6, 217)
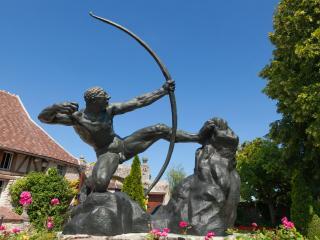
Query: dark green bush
point(302, 202)
point(43, 188)
point(313, 232)
point(132, 184)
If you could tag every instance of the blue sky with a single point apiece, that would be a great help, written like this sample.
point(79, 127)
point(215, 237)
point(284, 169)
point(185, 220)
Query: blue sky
point(52, 51)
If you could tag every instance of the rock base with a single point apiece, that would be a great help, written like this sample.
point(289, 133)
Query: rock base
point(208, 199)
point(138, 236)
point(107, 214)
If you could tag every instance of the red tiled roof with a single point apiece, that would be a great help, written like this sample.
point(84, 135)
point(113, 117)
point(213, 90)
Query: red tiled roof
point(18, 132)
point(9, 216)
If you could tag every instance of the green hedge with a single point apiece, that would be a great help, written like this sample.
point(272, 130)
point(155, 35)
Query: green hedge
point(313, 232)
point(302, 202)
point(43, 187)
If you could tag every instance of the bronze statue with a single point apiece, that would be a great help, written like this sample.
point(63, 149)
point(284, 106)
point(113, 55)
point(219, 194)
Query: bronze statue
point(94, 125)
point(207, 199)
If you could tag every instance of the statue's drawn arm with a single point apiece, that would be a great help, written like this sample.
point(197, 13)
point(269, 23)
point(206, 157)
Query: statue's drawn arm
point(141, 101)
point(59, 114)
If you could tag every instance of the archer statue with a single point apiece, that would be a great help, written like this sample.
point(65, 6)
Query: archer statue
point(94, 125)
point(207, 199)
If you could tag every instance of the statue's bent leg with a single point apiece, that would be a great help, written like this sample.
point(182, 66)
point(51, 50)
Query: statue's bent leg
point(142, 139)
point(103, 170)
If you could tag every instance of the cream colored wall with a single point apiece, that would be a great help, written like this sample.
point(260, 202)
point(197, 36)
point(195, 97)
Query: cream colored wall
point(18, 159)
point(72, 173)
point(52, 164)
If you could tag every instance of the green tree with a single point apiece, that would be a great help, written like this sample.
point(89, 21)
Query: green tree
point(263, 176)
point(43, 187)
point(293, 80)
point(132, 184)
point(174, 176)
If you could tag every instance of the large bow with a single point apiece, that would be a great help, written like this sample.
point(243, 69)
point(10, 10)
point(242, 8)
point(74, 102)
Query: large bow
point(167, 76)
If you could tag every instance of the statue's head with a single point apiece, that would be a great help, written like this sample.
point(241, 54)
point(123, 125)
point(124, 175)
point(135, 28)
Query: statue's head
point(96, 95)
point(220, 123)
point(223, 134)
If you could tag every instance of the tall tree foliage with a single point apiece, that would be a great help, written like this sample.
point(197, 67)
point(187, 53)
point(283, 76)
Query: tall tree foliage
point(293, 80)
point(132, 184)
point(174, 176)
point(263, 176)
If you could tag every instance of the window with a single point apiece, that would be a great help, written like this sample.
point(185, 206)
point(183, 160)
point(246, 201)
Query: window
point(6, 160)
point(61, 170)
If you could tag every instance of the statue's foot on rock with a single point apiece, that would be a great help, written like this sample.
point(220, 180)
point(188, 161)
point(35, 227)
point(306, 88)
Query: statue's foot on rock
point(107, 214)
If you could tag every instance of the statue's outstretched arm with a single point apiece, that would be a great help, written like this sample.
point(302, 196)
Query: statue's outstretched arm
point(59, 113)
point(141, 101)
point(183, 136)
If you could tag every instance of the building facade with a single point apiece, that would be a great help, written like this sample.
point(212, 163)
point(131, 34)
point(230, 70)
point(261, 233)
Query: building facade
point(26, 147)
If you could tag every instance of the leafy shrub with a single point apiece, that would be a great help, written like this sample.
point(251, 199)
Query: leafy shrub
point(29, 234)
point(43, 235)
point(74, 185)
point(313, 232)
point(43, 187)
point(280, 233)
point(302, 202)
point(132, 184)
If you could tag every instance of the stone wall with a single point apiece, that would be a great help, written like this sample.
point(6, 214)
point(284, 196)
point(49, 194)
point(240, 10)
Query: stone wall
point(5, 200)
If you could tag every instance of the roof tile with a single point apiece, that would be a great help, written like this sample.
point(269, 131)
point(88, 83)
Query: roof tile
point(19, 132)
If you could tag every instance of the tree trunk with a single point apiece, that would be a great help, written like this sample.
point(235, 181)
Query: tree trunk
point(272, 213)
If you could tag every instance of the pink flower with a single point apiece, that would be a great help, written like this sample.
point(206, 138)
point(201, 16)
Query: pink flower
point(254, 224)
point(286, 223)
point(155, 231)
point(284, 219)
point(163, 234)
point(209, 235)
point(25, 198)
point(55, 201)
point(50, 225)
point(25, 194)
point(16, 230)
point(183, 224)
point(167, 230)
point(2, 227)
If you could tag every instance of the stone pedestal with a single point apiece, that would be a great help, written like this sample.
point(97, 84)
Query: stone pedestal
point(107, 214)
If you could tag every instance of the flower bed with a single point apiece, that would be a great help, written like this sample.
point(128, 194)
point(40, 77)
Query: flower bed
point(286, 231)
point(26, 234)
